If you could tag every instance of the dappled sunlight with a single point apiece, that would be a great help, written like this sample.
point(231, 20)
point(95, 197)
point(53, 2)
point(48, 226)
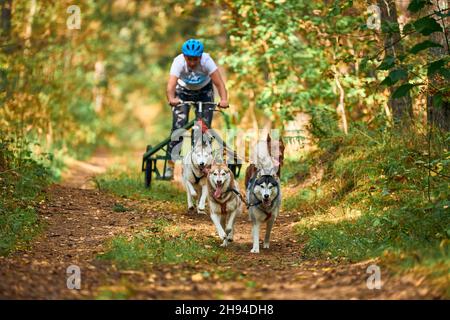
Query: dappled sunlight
point(332, 118)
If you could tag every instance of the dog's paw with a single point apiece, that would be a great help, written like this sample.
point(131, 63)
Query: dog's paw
point(230, 234)
point(201, 211)
point(191, 209)
point(224, 243)
point(266, 245)
point(254, 250)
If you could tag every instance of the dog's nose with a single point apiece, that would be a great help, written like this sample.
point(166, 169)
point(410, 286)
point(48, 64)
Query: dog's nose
point(202, 164)
point(266, 196)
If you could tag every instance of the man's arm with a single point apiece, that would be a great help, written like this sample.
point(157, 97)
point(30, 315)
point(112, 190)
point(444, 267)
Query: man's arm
point(220, 85)
point(171, 85)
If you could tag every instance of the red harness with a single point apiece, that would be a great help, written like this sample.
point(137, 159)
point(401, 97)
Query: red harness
point(223, 206)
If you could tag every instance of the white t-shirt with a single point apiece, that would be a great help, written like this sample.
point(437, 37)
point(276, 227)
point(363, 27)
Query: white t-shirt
point(193, 79)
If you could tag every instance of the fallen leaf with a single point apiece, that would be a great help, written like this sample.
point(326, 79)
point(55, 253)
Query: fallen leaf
point(197, 277)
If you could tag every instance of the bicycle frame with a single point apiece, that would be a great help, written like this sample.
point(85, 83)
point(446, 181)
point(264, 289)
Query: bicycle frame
point(149, 158)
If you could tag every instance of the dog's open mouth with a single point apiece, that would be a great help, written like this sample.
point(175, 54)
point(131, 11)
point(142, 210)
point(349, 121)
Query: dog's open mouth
point(266, 202)
point(218, 191)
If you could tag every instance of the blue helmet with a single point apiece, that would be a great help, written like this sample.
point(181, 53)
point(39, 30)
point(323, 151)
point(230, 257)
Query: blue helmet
point(192, 48)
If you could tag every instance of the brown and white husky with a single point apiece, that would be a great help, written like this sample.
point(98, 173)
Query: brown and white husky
point(225, 201)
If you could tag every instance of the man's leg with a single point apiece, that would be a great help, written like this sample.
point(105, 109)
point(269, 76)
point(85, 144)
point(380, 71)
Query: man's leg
point(180, 116)
point(206, 94)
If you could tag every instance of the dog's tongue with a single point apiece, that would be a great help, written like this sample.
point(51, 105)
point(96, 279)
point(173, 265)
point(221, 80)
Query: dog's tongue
point(218, 191)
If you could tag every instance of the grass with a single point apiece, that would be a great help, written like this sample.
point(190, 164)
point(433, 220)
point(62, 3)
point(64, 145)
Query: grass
point(22, 179)
point(129, 183)
point(376, 200)
point(158, 245)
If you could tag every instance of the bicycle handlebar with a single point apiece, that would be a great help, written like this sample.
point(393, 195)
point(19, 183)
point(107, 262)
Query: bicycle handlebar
point(203, 102)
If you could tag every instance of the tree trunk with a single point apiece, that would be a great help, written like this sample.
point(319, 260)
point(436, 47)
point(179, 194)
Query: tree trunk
point(401, 108)
point(341, 105)
point(29, 26)
point(340, 109)
point(439, 116)
point(5, 18)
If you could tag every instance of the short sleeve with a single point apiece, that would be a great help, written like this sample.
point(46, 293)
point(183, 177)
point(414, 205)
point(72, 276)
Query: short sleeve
point(176, 68)
point(210, 65)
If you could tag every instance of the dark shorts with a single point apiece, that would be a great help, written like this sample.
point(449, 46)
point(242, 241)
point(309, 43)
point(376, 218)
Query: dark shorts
point(180, 114)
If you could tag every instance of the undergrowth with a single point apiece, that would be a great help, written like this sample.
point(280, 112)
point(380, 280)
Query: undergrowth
point(23, 176)
point(383, 194)
point(157, 245)
point(129, 182)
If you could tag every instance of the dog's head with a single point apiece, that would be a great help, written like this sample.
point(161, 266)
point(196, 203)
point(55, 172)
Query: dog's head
point(266, 188)
point(219, 177)
point(202, 155)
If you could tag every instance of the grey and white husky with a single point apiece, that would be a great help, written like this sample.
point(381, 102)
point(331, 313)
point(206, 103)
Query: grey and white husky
point(264, 201)
point(195, 164)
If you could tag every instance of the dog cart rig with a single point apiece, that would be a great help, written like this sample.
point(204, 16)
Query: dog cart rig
point(160, 151)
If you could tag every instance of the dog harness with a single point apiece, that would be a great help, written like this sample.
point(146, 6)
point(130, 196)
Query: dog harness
point(223, 205)
point(197, 179)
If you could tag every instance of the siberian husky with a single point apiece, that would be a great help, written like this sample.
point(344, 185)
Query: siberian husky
point(195, 164)
point(224, 199)
point(263, 201)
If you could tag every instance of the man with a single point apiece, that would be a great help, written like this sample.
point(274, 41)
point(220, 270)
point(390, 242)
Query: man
point(191, 77)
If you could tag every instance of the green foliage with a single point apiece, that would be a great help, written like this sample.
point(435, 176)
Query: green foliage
point(394, 76)
point(424, 45)
point(74, 90)
point(412, 67)
point(387, 202)
point(417, 5)
point(23, 176)
point(402, 90)
point(426, 26)
point(130, 185)
point(119, 208)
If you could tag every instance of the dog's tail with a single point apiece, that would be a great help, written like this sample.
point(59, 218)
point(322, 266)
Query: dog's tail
point(249, 173)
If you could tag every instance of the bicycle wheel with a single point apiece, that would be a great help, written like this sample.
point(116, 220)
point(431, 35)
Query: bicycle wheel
point(148, 173)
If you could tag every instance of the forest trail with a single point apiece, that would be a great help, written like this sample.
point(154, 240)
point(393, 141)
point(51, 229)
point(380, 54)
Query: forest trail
point(79, 220)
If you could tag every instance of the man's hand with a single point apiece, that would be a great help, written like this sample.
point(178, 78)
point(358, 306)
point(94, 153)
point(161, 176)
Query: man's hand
point(174, 102)
point(223, 104)
point(220, 85)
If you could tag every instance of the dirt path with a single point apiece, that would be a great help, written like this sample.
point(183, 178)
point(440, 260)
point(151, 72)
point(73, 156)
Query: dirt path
point(79, 222)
